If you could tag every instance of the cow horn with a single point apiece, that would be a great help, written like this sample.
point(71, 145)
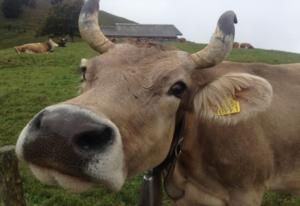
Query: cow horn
point(89, 27)
point(220, 43)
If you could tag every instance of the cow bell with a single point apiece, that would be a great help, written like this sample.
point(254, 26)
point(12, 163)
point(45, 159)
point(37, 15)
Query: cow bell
point(151, 191)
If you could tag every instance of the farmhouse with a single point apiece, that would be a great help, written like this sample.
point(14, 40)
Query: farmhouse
point(142, 31)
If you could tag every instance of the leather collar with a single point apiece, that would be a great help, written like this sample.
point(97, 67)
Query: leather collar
point(151, 192)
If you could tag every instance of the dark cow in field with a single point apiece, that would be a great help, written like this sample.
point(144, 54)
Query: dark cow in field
point(62, 41)
point(240, 123)
point(246, 46)
point(236, 45)
point(39, 47)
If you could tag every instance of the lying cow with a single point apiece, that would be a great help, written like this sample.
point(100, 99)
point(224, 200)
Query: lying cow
point(236, 45)
point(62, 41)
point(246, 46)
point(32, 48)
point(240, 123)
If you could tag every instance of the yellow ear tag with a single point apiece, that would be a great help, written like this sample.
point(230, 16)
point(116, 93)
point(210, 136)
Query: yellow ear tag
point(233, 108)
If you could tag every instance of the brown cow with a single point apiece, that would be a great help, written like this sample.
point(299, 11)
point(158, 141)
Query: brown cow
point(240, 122)
point(246, 46)
point(236, 45)
point(61, 42)
point(39, 47)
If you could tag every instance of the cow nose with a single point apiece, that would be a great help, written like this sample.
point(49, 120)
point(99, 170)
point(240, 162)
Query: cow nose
point(79, 130)
point(93, 140)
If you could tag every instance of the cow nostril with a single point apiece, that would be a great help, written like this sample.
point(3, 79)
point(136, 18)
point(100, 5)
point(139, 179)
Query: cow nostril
point(94, 141)
point(37, 121)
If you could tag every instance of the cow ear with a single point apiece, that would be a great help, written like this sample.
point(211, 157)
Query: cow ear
point(233, 97)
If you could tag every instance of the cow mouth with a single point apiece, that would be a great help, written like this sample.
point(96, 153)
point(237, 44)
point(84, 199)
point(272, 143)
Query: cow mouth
point(53, 178)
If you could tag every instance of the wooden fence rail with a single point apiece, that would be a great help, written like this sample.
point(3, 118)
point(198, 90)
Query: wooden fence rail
point(11, 191)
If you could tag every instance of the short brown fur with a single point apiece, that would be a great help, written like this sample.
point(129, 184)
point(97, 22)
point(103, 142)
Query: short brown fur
point(220, 163)
point(36, 47)
point(228, 160)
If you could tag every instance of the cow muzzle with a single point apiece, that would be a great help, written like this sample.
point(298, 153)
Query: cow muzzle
point(72, 146)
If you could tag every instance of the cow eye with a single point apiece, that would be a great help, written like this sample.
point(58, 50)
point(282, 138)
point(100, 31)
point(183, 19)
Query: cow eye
point(177, 89)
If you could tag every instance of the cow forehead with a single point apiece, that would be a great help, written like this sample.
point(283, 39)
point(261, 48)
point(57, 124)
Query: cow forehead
point(142, 61)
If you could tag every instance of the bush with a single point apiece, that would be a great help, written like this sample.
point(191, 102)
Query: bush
point(62, 20)
point(12, 8)
point(29, 3)
point(55, 2)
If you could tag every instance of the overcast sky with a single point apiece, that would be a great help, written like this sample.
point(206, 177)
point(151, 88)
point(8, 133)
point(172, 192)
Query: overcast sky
point(269, 24)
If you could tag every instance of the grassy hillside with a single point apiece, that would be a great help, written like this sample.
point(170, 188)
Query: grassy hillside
point(244, 55)
point(108, 19)
point(31, 82)
point(22, 30)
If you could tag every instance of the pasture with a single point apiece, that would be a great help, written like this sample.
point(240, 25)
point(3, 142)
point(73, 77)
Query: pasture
point(28, 83)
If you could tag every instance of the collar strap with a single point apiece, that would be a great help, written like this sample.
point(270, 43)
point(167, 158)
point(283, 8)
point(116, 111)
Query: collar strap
point(175, 148)
point(151, 192)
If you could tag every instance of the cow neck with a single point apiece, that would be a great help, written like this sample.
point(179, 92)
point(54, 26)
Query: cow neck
point(167, 167)
point(49, 46)
point(176, 145)
point(151, 192)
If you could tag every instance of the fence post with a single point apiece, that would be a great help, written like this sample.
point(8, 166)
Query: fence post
point(11, 191)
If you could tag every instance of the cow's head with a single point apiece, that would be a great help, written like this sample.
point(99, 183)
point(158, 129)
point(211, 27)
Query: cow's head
point(52, 44)
point(123, 121)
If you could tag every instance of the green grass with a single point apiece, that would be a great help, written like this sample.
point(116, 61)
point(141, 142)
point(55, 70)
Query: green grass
point(28, 83)
point(248, 56)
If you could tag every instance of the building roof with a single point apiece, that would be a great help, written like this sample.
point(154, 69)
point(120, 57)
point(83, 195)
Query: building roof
point(141, 30)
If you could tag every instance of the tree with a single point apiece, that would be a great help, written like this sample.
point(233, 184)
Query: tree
point(12, 8)
point(55, 2)
point(29, 3)
point(63, 20)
